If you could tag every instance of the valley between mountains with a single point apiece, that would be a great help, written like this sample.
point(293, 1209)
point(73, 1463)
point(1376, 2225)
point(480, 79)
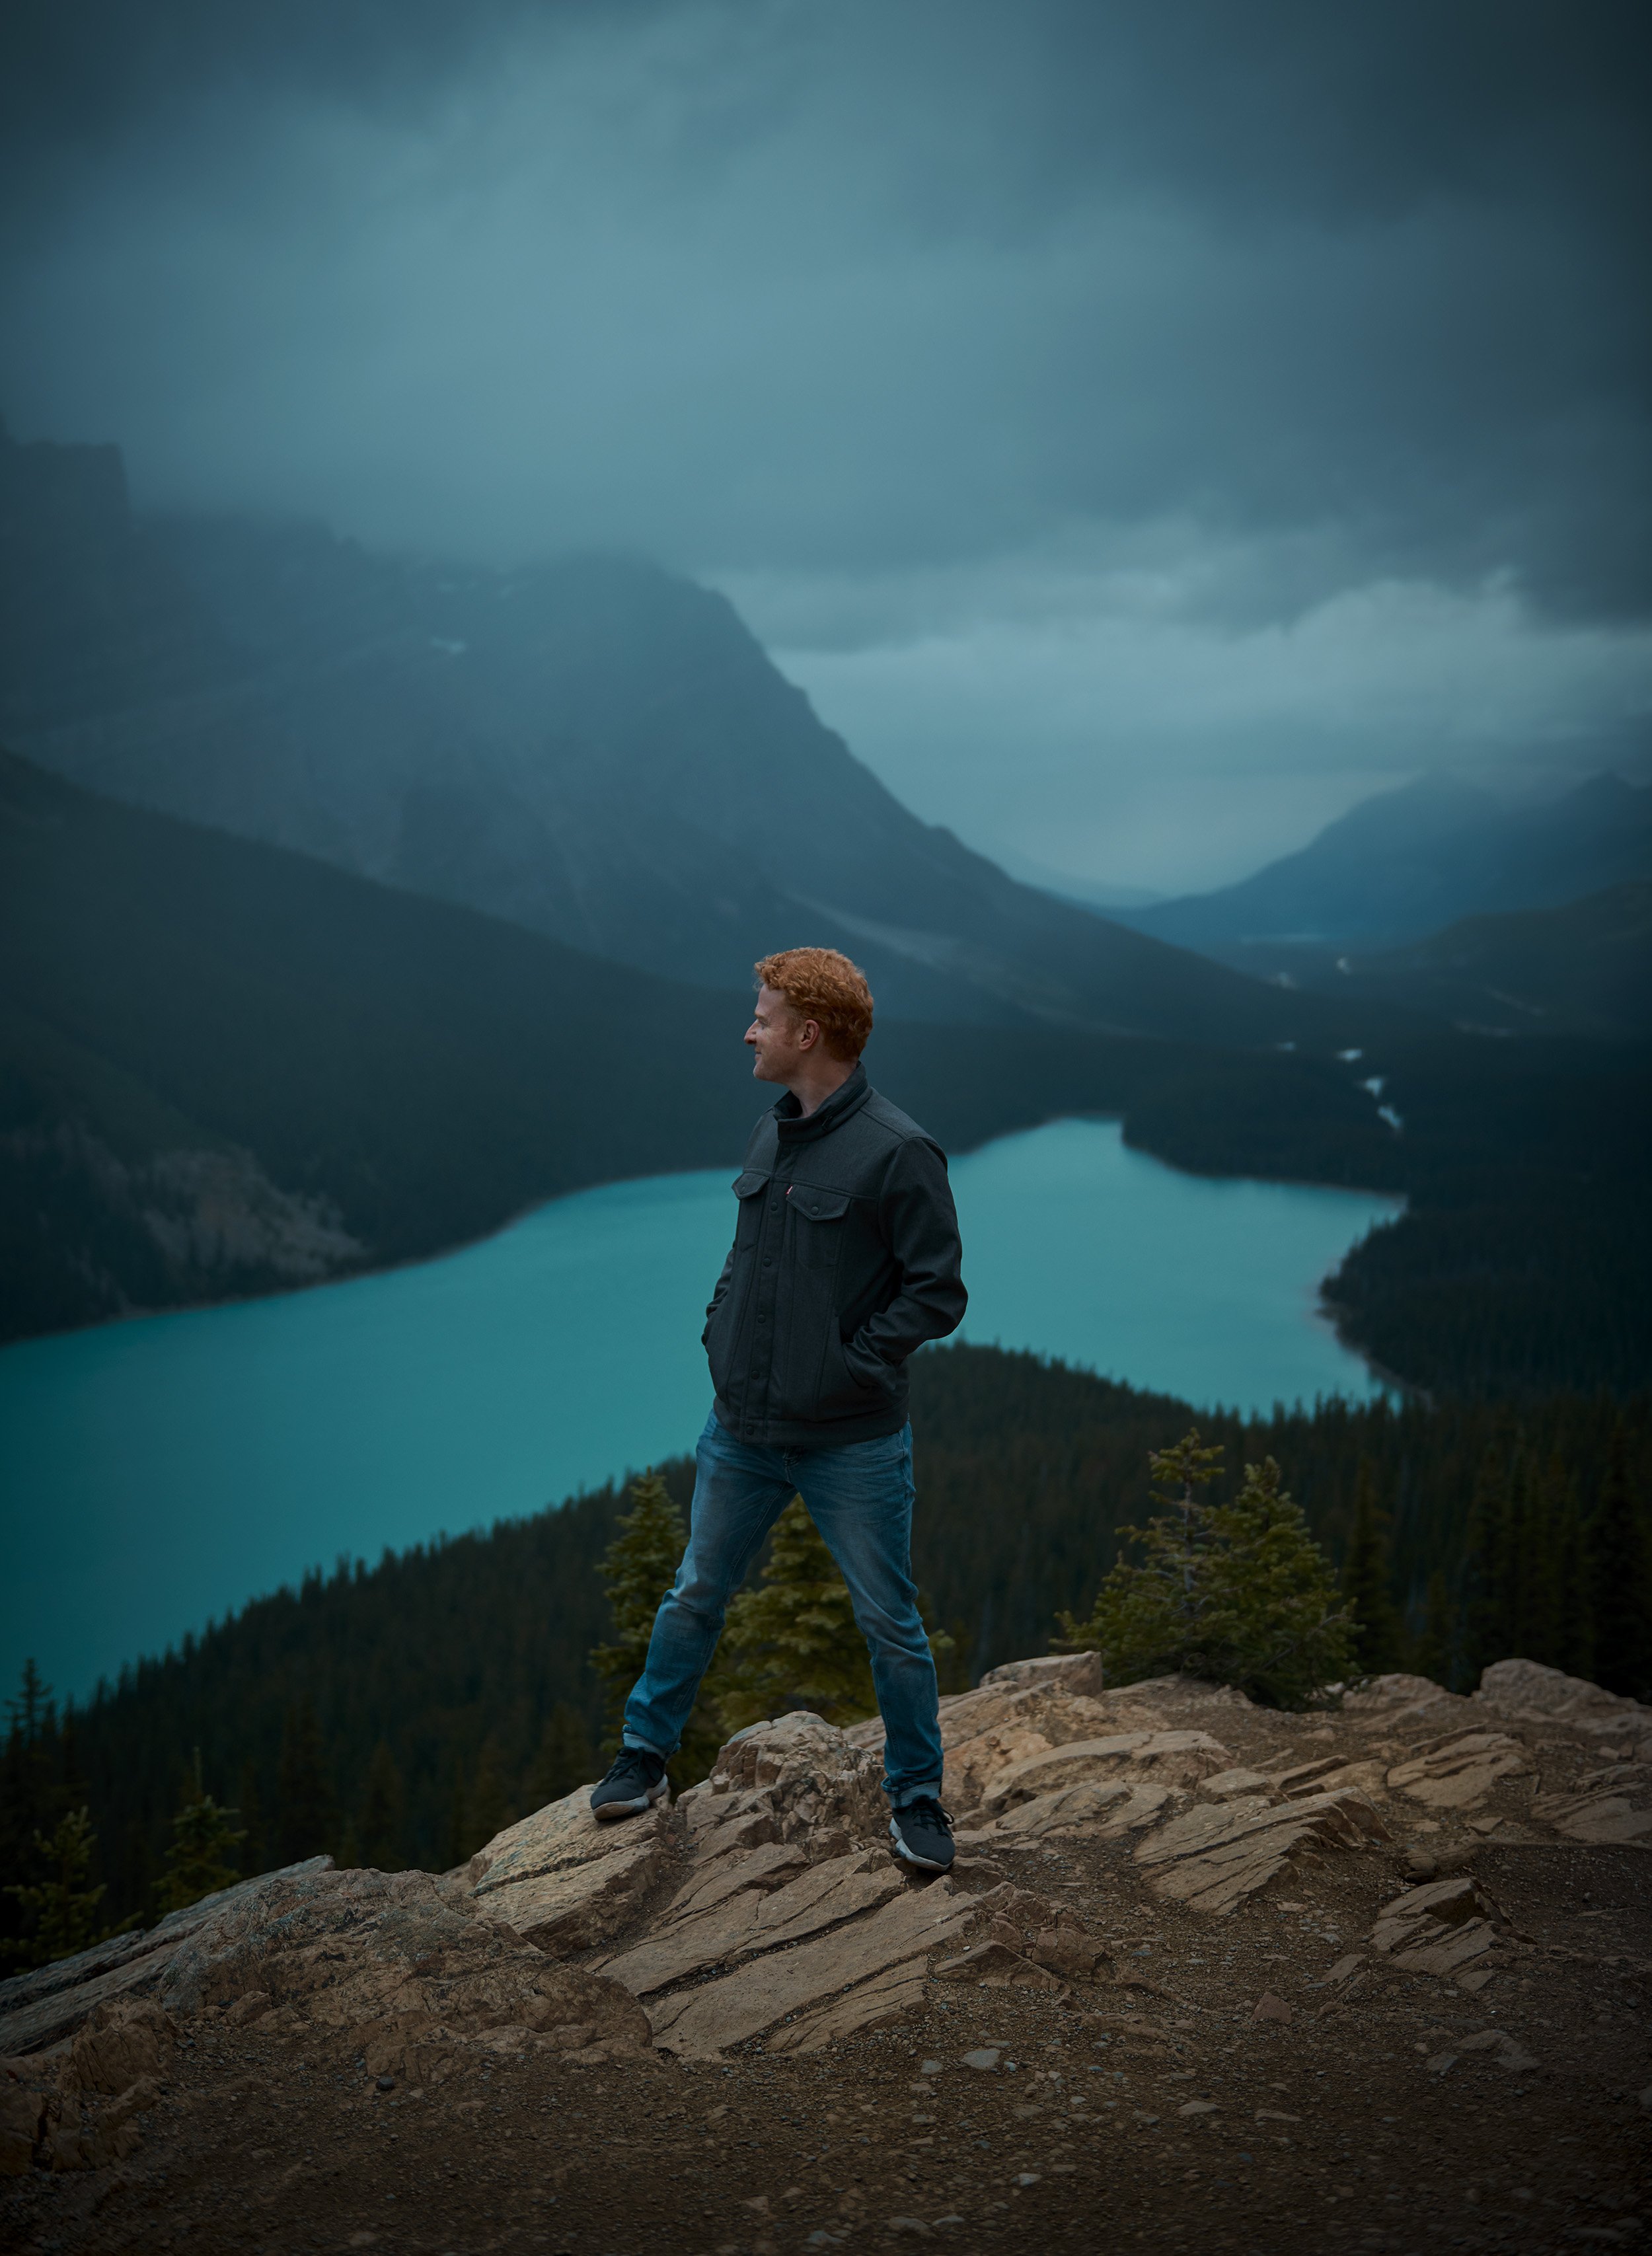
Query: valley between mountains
point(1204, 1975)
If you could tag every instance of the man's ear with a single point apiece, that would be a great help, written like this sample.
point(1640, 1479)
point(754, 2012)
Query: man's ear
point(808, 1033)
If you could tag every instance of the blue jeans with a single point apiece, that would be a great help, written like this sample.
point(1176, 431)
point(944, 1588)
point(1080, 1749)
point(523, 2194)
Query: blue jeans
point(860, 1498)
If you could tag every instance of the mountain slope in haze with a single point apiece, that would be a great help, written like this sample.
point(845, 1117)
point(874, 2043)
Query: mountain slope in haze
point(226, 1067)
point(1584, 969)
point(1404, 864)
point(594, 750)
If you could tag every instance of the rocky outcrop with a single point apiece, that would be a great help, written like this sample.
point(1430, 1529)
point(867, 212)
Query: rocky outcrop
point(39, 2008)
point(765, 1911)
point(1526, 1691)
point(402, 1970)
point(406, 1968)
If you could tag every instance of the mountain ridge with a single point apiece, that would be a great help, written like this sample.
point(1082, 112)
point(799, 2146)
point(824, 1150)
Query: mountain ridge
point(593, 748)
point(229, 1067)
point(1408, 863)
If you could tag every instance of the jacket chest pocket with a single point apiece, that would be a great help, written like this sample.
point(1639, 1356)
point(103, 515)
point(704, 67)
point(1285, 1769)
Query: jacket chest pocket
point(817, 1224)
point(747, 1187)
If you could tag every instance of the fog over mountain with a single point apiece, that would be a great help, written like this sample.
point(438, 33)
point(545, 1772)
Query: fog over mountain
point(1144, 431)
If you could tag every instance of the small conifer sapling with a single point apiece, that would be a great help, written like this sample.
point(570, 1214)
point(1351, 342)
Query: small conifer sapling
point(1238, 1593)
point(199, 1860)
point(638, 1568)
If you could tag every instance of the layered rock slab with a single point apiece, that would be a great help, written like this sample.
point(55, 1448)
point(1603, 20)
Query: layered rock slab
point(744, 1924)
point(1441, 1928)
point(742, 2004)
point(1169, 1758)
point(1089, 1812)
point(1596, 1818)
point(1212, 1857)
point(897, 1989)
point(566, 1883)
point(1460, 1773)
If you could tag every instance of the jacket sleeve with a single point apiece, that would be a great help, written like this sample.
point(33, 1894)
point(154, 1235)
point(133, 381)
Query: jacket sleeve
point(919, 1224)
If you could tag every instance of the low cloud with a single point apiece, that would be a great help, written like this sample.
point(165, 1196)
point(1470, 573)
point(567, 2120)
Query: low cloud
point(1243, 394)
point(1115, 733)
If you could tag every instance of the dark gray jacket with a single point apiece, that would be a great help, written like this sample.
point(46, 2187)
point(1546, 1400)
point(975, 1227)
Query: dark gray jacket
point(845, 1258)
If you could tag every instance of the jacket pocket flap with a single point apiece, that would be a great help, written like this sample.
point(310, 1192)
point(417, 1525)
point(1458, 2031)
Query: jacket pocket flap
point(748, 1185)
point(819, 1205)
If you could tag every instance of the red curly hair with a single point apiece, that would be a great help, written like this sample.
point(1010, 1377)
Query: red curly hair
point(819, 983)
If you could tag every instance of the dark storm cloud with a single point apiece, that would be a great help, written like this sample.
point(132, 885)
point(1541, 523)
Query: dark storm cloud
point(894, 283)
point(933, 328)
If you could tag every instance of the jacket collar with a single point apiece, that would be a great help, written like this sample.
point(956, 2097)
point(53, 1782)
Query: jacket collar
point(838, 1107)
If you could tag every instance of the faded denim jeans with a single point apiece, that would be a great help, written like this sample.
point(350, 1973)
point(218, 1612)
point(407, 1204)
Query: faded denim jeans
point(860, 1498)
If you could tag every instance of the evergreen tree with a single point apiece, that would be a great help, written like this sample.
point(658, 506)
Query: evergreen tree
point(488, 1808)
point(1371, 1612)
point(30, 1806)
point(1523, 1561)
point(1434, 1654)
point(307, 1813)
point(563, 1760)
point(381, 1824)
point(59, 1910)
point(199, 1862)
point(457, 1830)
point(638, 1568)
point(1238, 1593)
point(794, 1641)
point(1620, 1581)
point(1573, 1644)
point(254, 1852)
point(1488, 1628)
point(30, 1714)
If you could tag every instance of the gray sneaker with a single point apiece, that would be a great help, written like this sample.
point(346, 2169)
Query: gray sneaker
point(636, 1780)
point(921, 1835)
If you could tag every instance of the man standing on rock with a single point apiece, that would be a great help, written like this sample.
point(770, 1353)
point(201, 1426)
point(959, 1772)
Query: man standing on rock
point(845, 1259)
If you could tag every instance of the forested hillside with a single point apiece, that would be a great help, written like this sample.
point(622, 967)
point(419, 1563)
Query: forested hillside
point(400, 1713)
point(225, 1068)
point(1583, 969)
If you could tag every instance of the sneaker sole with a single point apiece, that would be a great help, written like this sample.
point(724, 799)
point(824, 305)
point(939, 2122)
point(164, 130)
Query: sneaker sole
point(606, 1813)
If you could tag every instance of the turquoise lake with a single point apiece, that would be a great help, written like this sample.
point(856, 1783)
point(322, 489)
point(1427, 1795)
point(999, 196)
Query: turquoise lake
point(160, 1472)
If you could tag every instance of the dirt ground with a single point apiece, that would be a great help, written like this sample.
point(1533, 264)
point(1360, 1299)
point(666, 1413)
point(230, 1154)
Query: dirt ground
point(1155, 2110)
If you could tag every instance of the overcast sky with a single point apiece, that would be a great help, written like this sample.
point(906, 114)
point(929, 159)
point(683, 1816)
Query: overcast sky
point(1144, 429)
